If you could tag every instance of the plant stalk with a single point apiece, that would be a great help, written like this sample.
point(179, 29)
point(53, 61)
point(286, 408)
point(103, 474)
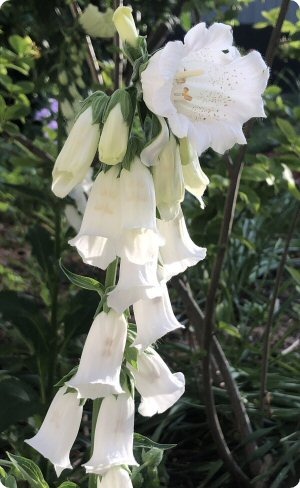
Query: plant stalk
point(268, 329)
point(229, 212)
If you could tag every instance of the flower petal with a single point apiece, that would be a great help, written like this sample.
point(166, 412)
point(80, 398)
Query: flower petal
point(151, 151)
point(94, 250)
point(99, 369)
point(158, 387)
point(115, 478)
point(180, 251)
point(137, 197)
point(59, 430)
point(217, 36)
point(154, 318)
point(113, 441)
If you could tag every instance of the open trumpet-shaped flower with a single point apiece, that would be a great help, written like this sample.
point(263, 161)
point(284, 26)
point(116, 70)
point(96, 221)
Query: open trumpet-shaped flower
point(115, 478)
point(96, 240)
point(205, 88)
point(113, 441)
point(179, 251)
point(59, 430)
point(158, 387)
point(154, 318)
point(99, 370)
point(76, 155)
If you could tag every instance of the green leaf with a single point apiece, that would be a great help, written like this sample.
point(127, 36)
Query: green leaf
point(134, 147)
point(19, 401)
point(99, 104)
point(82, 281)
point(10, 482)
point(295, 274)
point(123, 97)
point(67, 377)
point(287, 129)
point(229, 329)
point(68, 484)
point(42, 245)
point(142, 442)
point(29, 470)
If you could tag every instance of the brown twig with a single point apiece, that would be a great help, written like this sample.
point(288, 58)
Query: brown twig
point(268, 329)
point(196, 317)
point(91, 57)
point(225, 232)
point(36, 151)
point(118, 72)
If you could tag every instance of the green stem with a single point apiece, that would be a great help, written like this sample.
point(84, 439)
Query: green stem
point(110, 280)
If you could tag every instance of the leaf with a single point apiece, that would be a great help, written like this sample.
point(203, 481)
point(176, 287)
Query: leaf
point(68, 484)
point(229, 329)
point(10, 482)
point(29, 470)
point(99, 104)
point(67, 377)
point(287, 129)
point(295, 274)
point(82, 281)
point(42, 245)
point(140, 442)
point(18, 402)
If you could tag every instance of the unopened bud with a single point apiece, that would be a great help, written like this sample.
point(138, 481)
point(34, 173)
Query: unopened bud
point(114, 137)
point(125, 25)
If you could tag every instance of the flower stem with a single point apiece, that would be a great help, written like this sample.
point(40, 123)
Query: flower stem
point(268, 329)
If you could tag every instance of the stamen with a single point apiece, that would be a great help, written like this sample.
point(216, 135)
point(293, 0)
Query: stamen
point(181, 76)
point(185, 94)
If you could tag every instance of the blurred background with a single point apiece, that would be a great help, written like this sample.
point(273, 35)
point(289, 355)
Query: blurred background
point(53, 54)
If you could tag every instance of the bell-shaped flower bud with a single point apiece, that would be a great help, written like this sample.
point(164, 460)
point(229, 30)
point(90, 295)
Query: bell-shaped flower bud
point(76, 155)
point(154, 318)
point(195, 180)
point(158, 387)
point(168, 181)
point(96, 23)
point(113, 440)
point(159, 139)
point(115, 478)
point(137, 196)
point(100, 228)
point(125, 25)
point(59, 430)
point(179, 251)
point(117, 121)
point(99, 370)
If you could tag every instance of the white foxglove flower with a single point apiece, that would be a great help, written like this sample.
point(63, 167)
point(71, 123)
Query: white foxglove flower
point(114, 137)
point(154, 318)
point(137, 196)
point(125, 25)
point(59, 430)
point(99, 370)
point(76, 155)
point(113, 441)
point(168, 180)
point(150, 153)
point(195, 180)
point(180, 251)
point(136, 282)
point(100, 228)
point(158, 387)
point(205, 88)
point(115, 478)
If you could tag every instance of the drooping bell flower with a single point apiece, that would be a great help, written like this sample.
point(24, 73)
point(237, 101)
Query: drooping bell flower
point(179, 251)
point(195, 180)
point(158, 387)
point(99, 369)
point(116, 477)
point(136, 281)
point(168, 180)
point(58, 432)
point(100, 228)
point(154, 318)
point(137, 197)
point(150, 153)
point(76, 155)
point(113, 440)
point(205, 88)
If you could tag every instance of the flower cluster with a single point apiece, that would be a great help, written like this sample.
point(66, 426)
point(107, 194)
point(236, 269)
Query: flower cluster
point(199, 93)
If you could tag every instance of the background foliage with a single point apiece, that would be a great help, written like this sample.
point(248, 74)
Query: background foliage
point(44, 74)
